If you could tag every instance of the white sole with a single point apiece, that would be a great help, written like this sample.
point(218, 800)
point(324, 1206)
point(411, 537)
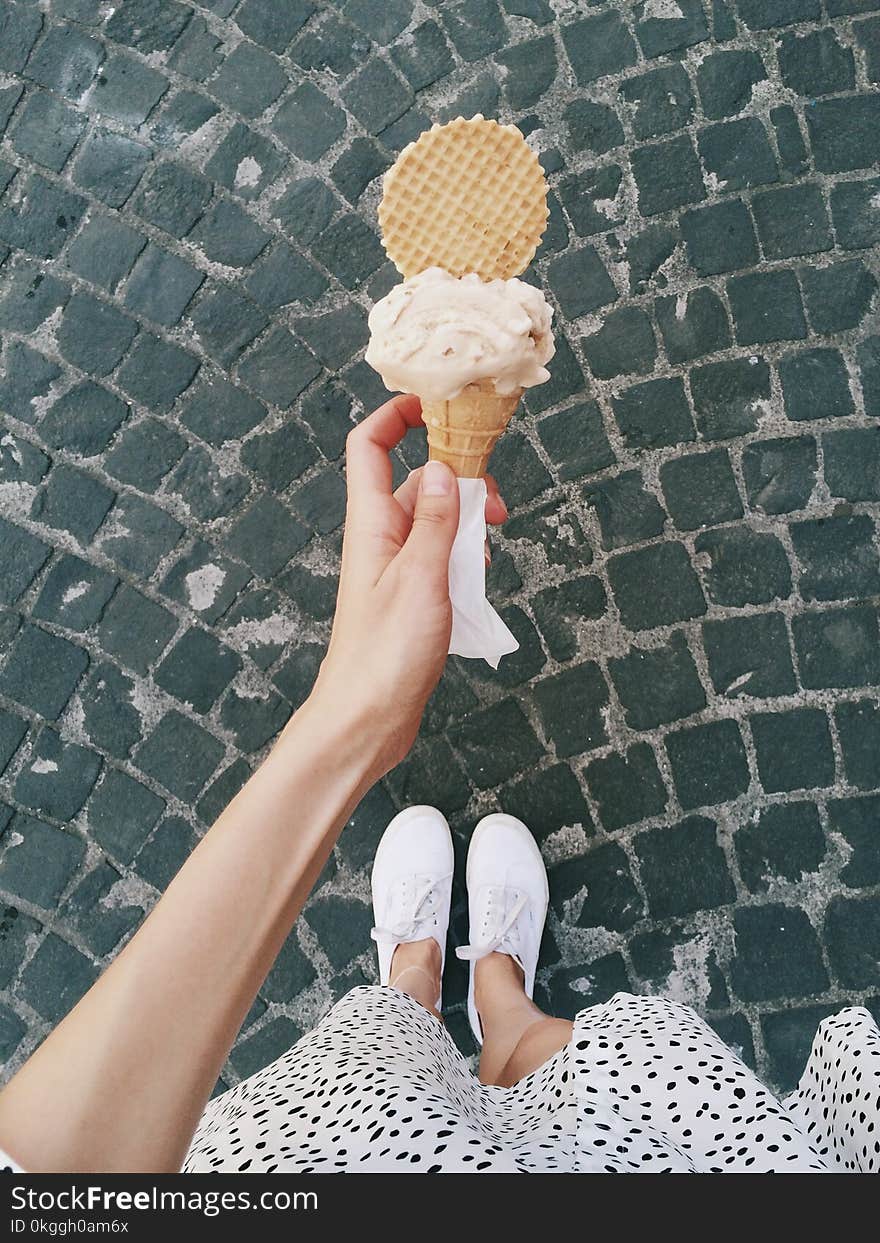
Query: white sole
point(385, 844)
point(473, 1016)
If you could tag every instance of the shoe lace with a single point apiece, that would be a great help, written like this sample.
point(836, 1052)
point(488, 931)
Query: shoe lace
point(405, 931)
point(472, 953)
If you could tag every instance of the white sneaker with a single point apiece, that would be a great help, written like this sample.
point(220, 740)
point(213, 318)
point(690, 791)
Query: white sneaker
point(507, 900)
point(412, 884)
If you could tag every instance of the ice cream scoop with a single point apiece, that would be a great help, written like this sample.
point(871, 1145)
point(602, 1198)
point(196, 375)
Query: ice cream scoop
point(435, 334)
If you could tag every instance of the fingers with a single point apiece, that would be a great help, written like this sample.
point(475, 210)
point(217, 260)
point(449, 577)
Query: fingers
point(367, 466)
point(406, 494)
point(435, 522)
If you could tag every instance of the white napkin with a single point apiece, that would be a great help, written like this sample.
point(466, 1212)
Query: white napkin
point(477, 630)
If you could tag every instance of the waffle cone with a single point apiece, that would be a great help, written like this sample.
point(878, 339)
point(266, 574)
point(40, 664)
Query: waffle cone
point(463, 431)
point(469, 196)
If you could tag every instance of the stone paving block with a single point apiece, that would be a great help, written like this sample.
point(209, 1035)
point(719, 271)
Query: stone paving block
point(547, 801)
point(20, 28)
point(16, 930)
point(765, 14)
point(498, 742)
point(611, 899)
point(627, 512)
point(104, 251)
point(139, 534)
point(777, 954)
point(598, 45)
point(788, 1038)
point(74, 594)
point(55, 978)
point(121, 814)
point(815, 385)
point(743, 567)
point(157, 372)
point(700, 490)
point(41, 862)
point(93, 335)
point(58, 776)
point(858, 727)
point(853, 930)
point(84, 419)
point(657, 685)
point(181, 117)
point(655, 586)
point(218, 411)
point(226, 323)
point(258, 624)
point(135, 629)
point(20, 461)
point(296, 676)
point(725, 81)
point(793, 157)
point(273, 25)
point(72, 501)
point(29, 377)
point(309, 123)
point(524, 474)
point(99, 913)
point(279, 457)
point(708, 763)
point(856, 212)
point(197, 669)
point(591, 126)
point(838, 297)
point(852, 463)
point(245, 162)
point(222, 791)
point(279, 368)
point(165, 852)
point(205, 581)
point(12, 730)
point(837, 557)
point(683, 868)
point(815, 63)
point(47, 130)
point(350, 250)
point(749, 656)
point(720, 238)
point(144, 454)
point(266, 537)
point(254, 721)
point(868, 356)
point(581, 282)
point(336, 337)
point(867, 35)
point(845, 132)
point(838, 647)
point(264, 1046)
point(42, 671)
point(208, 491)
point(198, 52)
point(561, 610)
point(172, 198)
point(627, 788)
point(282, 276)
point(110, 719)
point(11, 1031)
point(654, 413)
point(780, 474)
point(566, 379)
point(738, 154)
point(662, 100)
point(589, 984)
point(576, 441)
point(249, 81)
point(109, 165)
point(180, 755)
point(668, 175)
point(793, 749)
point(41, 219)
point(331, 45)
point(127, 89)
point(782, 842)
point(692, 325)
point(161, 285)
point(226, 234)
point(766, 307)
point(856, 820)
point(475, 27)
point(646, 254)
point(148, 25)
point(431, 771)
point(792, 221)
point(23, 556)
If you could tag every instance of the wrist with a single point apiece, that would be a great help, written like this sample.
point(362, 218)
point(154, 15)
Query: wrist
point(338, 725)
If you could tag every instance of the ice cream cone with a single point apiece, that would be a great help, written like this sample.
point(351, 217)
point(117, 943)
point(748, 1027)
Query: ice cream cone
point(463, 431)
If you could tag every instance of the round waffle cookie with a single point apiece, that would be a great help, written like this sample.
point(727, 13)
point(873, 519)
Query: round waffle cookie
point(469, 196)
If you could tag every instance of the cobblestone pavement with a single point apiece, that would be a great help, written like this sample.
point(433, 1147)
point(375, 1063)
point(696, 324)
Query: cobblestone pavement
point(691, 724)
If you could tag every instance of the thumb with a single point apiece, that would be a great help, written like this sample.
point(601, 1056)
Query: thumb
point(435, 522)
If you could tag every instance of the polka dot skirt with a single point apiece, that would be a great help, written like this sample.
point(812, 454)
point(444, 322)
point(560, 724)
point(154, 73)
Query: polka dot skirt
point(644, 1084)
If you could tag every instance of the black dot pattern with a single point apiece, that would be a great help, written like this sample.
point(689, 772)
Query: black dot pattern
point(644, 1085)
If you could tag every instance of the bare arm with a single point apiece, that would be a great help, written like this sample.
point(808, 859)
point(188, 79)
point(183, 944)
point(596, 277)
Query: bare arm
point(121, 1083)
